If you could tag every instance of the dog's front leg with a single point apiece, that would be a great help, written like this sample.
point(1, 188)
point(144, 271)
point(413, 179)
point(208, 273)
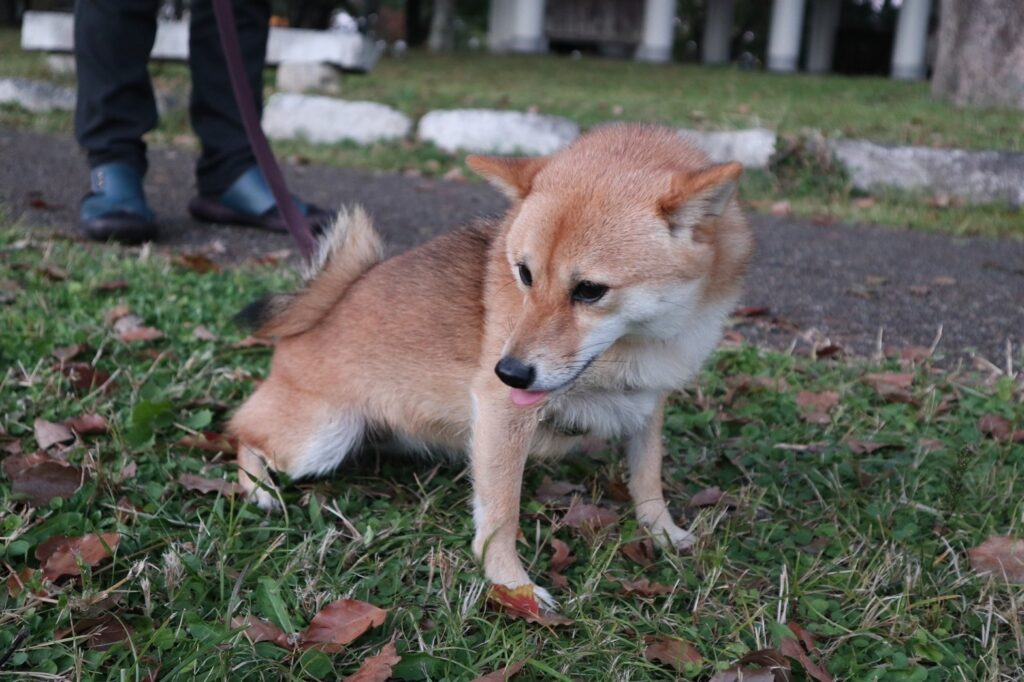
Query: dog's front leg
point(501, 443)
point(645, 452)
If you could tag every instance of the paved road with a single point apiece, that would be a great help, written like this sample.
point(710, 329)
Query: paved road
point(843, 282)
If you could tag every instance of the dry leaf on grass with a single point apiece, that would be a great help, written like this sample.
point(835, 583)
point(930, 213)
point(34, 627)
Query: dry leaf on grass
point(210, 485)
point(84, 377)
point(671, 651)
point(210, 441)
point(709, 497)
point(113, 285)
point(49, 434)
point(18, 581)
point(796, 650)
point(589, 516)
point(863, 447)
point(1001, 555)
point(138, 334)
point(88, 424)
point(639, 551)
point(505, 673)
point(644, 588)
point(260, 630)
point(340, 623)
point(741, 674)
point(556, 491)
point(99, 633)
point(196, 262)
point(66, 353)
point(203, 334)
point(891, 386)
point(560, 560)
point(520, 602)
point(41, 478)
point(250, 341)
point(999, 428)
point(814, 407)
point(60, 554)
point(377, 668)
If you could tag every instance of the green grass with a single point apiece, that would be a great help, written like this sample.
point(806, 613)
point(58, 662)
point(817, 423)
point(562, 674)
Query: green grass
point(866, 551)
point(592, 91)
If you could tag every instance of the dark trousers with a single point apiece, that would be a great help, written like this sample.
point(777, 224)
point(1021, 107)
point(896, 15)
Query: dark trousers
point(116, 107)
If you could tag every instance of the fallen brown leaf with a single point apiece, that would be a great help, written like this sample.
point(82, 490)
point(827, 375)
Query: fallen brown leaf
point(639, 551)
point(53, 273)
point(891, 386)
point(65, 353)
point(113, 285)
point(794, 649)
point(60, 554)
point(814, 407)
point(210, 485)
point(45, 480)
point(137, 334)
point(100, 633)
point(672, 652)
point(18, 581)
point(196, 262)
point(863, 447)
point(203, 334)
point(210, 441)
point(116, 313)
point(556, 491)
point(84, 377)
point(864, 202)
point(589, 516)
point(560, 560)
point(49, 434)
point(709, 497)
point(1000, 429)
point(260, 630)
point(377, 668)
point(644, 588)
point(520, 602)
point(250, 341)
point(18, 462)
point(1001, 555)
point(504, 674)
point(340, 623)
point(88, 424)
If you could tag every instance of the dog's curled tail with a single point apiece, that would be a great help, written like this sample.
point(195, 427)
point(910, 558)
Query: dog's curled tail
point(346, 250)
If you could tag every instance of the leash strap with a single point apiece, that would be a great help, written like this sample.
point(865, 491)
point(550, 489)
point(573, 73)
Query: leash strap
point(293, 218)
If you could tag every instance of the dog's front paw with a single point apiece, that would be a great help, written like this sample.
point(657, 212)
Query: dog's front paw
point(265, 499)
point(671, 536)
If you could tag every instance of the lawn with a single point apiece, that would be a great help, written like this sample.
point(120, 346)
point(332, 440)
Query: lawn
point(846, 507)
point(591, 91)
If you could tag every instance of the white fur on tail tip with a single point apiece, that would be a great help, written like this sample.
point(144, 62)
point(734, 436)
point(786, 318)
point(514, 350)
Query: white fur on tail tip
point(352, 229)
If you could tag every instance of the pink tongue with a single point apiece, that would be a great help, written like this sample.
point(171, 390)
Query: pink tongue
point(526, 398)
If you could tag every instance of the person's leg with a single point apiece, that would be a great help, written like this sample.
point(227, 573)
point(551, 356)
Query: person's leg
point(115, 108)
point(232, 189)
point(226, 153)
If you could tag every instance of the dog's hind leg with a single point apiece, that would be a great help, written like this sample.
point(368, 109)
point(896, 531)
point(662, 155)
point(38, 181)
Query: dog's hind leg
point(278, 431)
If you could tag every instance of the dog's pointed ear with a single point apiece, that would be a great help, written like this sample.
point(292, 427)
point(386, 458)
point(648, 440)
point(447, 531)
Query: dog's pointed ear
point(513, 175)
point(695, 196)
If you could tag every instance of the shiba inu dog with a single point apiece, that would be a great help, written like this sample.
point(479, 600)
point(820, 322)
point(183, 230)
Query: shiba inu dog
point(603, 289)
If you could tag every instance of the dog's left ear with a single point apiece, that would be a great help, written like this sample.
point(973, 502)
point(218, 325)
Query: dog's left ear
point(695, 196)
point(513, 175)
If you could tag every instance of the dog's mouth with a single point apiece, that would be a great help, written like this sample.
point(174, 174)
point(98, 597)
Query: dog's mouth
point(524, 398)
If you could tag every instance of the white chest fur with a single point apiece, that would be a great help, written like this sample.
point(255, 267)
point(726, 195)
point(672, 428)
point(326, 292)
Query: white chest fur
point(621, 389)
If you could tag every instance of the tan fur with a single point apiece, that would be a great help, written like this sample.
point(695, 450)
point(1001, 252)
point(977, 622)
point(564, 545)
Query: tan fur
point(408, 347)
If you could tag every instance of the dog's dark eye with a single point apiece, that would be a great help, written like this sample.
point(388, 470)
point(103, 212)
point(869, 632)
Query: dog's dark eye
point(588, 292)
point(524, 274)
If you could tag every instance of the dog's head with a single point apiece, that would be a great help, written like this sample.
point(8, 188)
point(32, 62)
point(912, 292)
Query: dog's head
point(628, 232)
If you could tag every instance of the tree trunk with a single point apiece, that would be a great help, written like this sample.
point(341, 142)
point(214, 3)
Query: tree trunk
point(442, 26)
point(980, 59)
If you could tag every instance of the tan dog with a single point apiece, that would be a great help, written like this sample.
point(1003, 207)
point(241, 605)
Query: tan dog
point(604, 288)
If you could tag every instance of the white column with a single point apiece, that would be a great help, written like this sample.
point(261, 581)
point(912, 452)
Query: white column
point(516, 26)
point(659, 31)
point(718, 31)
point(784, 39)
point(824, 22)
point(908, 55)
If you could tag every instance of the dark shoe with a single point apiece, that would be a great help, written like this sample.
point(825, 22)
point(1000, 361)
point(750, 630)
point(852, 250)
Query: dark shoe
point(115, 209)
point(250, 202)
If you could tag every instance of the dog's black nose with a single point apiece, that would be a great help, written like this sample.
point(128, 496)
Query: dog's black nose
point(514, 373)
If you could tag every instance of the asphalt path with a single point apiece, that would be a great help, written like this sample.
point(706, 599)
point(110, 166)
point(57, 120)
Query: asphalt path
point(809, 284)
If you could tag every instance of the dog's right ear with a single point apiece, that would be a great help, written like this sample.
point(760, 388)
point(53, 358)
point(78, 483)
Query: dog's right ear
point(513, 175)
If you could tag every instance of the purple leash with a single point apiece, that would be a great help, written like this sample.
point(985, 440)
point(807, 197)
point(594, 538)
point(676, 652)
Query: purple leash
point(293, 218)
